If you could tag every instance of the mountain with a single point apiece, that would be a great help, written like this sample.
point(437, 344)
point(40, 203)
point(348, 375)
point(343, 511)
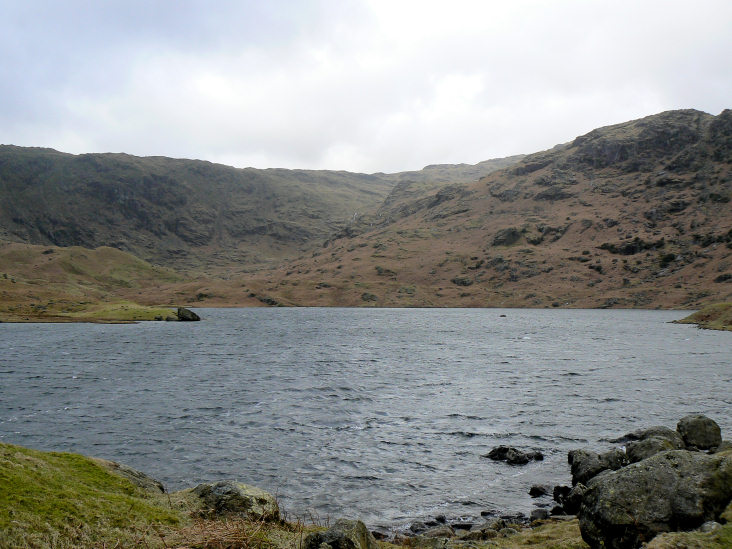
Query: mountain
point(188, 214)
point(631, 215)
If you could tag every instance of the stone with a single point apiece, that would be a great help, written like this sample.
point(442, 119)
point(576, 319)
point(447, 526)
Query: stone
point(584, 464)
point(700, 432)
point(417, 526)
point(441, 531)
point(539, 514)
point(651, 446)
point(573, 500)
point(538, 490)
point(614, 459)
point(656, 431)
point(513, 456)
point(560, 492)
point(230, 497)
point(670, 491)
point(344, 534)
point(709, 526)
point(187, 315)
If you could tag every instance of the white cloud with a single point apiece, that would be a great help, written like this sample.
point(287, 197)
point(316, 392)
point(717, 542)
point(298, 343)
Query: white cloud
point(367, 86)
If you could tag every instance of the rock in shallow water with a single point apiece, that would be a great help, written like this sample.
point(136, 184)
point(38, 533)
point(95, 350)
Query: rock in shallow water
point(513, 456)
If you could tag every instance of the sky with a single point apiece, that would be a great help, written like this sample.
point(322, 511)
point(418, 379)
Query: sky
point(367, 86)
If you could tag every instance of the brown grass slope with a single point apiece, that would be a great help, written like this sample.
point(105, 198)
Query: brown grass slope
point(48, 283)
point(632, 215)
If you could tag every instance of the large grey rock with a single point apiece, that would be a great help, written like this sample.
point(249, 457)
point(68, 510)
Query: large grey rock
point(344, 534)
point(651, 446)
point(656, 431)
point(231, 497)
point(513, 456)
point(584, 464)
point(187, 315)
point(673, 490)
point(700, 431)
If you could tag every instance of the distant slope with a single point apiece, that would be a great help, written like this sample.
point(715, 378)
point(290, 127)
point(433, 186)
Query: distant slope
point(632, 215)
point(52, 283)
point(185, 213)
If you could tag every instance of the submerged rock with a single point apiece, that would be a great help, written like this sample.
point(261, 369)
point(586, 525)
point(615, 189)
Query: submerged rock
point(231, 497)
point(344, 534)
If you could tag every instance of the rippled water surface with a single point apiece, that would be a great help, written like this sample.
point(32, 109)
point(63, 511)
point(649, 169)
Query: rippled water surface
point(371, 413)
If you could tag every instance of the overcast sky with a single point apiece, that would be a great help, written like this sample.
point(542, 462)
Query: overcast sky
point(355, 85)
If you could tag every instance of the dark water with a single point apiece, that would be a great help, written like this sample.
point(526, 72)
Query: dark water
point(370, 413)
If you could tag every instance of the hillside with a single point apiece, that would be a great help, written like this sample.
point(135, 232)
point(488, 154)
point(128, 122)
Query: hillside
point(632, 215)
point(187, 214)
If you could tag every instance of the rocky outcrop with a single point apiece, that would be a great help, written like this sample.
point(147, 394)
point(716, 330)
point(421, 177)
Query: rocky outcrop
point(673, 490)
point(670, 484)
point(344, 534)
point(186, 315)
point(228, 497)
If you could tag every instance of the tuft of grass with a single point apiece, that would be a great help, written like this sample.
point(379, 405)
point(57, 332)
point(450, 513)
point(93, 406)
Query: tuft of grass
point(553, 534)
point(717, 316)
point(55, 499)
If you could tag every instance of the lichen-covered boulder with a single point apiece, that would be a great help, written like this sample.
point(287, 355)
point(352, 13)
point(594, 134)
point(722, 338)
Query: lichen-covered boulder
point(651, 446)
point(655, 431)
point(586, 464)
point(228, 497)
point(670, 491)
point(700, 432)
point(344, 534)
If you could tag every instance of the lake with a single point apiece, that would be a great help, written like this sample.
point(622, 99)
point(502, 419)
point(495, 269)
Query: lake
point(378, 414)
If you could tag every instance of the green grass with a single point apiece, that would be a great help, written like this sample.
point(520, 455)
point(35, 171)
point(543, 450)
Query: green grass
point(122, 311)
point(717, 316)
point(53, 499)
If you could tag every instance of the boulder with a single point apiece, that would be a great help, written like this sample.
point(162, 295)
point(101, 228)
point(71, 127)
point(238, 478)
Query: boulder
point(187, 315)
point(344, 534)
point(573, 500)
point(584, 464)
point(538, 490)
point(700, 432)
point(230, 497)
point(513, 456)
point(670, 491)
point(648, 432)
point(539, 514)
point(651, 446)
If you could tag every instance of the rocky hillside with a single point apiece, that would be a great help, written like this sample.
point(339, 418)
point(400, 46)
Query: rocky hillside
point(632, 215)
point(187, 213)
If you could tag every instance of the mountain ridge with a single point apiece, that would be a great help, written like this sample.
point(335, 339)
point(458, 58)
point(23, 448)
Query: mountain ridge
point(629, 215)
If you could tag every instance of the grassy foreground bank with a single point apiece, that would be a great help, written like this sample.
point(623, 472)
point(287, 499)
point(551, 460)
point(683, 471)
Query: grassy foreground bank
point(62, 500)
